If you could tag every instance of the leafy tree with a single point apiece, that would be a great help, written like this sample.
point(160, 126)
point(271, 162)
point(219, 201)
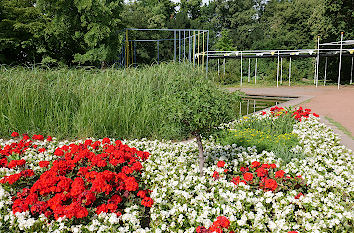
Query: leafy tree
point(199, 107)
point(82, 31)
point(225, 42)
point(21, 28)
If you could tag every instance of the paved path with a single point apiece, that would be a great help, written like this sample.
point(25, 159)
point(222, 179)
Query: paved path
point(325, 101)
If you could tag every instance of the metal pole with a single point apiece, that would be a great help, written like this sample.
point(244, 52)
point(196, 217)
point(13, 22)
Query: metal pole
point(248, 106)
point(174, 46)
point(255, 73)
point(203, 52)
point(158, 52)
point(190, 47)
point(224, 66)
point(318, 59)
point(179, 46)
point(241, 69)
point(135, 53)
point(249, 69)
point(207, 58)
point(241, 108)
point(325, 74)
point(351, 73)
point(184, 45)
point(289, 71)
point(278, 71)
point(218, 67)
point(198, 47)
point(281, 70)
point(340, 58)
point(194, 48)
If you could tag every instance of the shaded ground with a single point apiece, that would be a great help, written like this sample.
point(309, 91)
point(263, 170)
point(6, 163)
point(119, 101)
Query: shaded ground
point(326, 101)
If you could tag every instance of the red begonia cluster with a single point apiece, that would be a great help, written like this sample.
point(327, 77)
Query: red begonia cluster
point(263, 176)
point(298, 114)
point(99, 176)
point(219, 226)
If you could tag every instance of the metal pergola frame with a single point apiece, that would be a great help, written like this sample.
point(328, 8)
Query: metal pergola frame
point(190, 39)
point(296, 53)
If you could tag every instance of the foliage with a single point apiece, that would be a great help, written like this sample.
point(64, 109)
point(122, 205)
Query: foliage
point(21, 37)
point(116, 103)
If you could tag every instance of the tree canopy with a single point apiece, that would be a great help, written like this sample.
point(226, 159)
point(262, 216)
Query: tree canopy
point(89, 32)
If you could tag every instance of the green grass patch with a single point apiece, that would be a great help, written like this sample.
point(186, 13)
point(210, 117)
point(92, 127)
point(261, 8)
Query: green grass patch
point(340, 127)
point(79, 103)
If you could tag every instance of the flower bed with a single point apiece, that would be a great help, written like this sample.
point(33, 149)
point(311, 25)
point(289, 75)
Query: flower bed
point(321, 200)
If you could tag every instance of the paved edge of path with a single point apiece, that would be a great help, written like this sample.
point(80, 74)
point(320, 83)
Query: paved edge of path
point(299, 99)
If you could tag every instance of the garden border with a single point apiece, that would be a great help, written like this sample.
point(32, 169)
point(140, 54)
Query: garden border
point(297, 100)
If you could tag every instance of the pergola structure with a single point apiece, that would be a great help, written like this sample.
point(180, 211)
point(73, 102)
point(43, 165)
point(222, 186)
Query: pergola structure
point(186, 44)
point(341, 49)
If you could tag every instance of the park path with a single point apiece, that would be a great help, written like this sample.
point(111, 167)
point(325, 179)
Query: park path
point(325, 101)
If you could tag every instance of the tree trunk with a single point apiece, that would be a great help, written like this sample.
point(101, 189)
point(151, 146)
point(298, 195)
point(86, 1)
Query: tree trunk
point(201, 154)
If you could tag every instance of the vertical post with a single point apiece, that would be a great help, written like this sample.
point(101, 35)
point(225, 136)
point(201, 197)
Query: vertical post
point(249, 69)
point(132, 52)
point(194, 48)
point(278, 71)
point(207, 58)
point(135, 53)
point(224, 66)
point(126, 49)
point(241, 108)
point(218, 67)
point(289, 71)
point(281, 70)
point(325, 74)
point(351, 72)
point(198, 47)
point(318, 59)
point(340, 58)
point(184, 45)
point(174, 46)
point(248, 106)
point(203, 52)
point(255, 73)
point(189, 46)
point(241, 69)
point(179, 46)
point(158, 52)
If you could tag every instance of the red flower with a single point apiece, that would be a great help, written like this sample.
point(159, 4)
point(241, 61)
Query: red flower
point(271, 184)
point(49, 139)
point(221, 164)
point(279, 174)
point(299, 195)
point(316, 115)
point(147, 202)
point(37, 137)
point(261, 172)
point(216, 175)
point(14, 134)
point(248, 176)
point(255, 164)
point(44, 163)
point(41, 150)
point(244, 169)
point(293, 232)
point(236, 180)
point(273, 166)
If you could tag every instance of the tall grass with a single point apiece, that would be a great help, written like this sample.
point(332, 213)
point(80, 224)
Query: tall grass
point(82, 103)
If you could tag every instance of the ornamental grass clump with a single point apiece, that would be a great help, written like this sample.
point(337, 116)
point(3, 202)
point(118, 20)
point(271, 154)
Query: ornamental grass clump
point(84, 179)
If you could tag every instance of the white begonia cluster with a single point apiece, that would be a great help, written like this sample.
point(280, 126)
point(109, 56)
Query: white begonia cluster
point(183, 200)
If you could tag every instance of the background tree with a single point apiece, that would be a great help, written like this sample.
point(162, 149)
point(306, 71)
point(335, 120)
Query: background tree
point(82, 31)
point(21, 37)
